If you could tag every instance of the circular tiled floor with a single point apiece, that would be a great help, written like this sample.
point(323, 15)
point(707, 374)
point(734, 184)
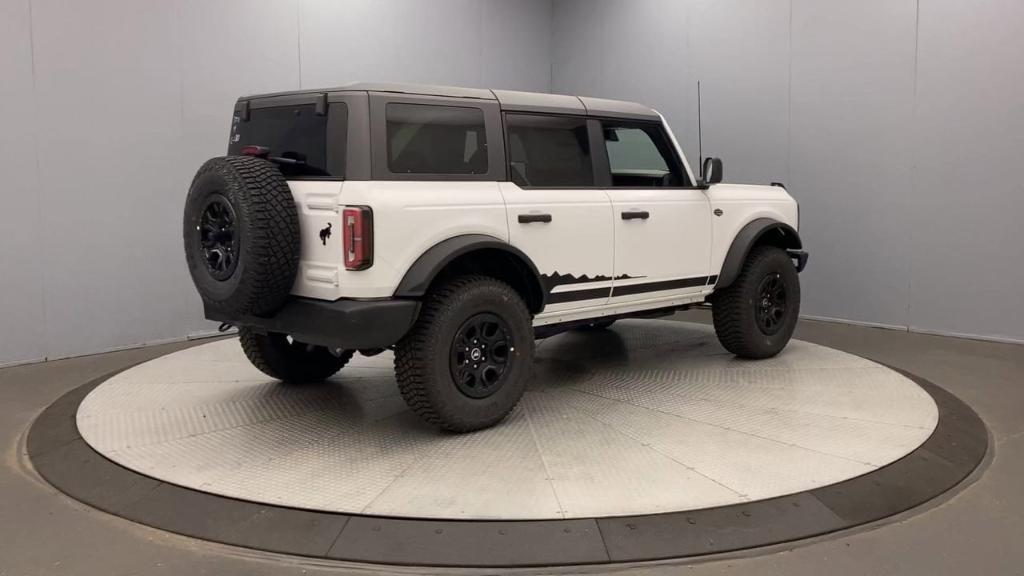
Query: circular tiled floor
point(646, 417)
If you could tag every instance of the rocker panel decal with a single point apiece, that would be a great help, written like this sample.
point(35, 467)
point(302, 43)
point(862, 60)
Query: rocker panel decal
point(551, 281)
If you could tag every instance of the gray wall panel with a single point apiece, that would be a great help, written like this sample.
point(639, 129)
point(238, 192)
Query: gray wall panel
point(21, 263)
point(967, 261)
point(437, 42)
point(897, 124)
point(110, 157)
point(740, 53)
point(852, 112)
point(578, 54)
point(516, 52)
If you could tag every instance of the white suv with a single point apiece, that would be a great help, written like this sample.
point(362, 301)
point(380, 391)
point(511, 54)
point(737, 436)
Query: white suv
point(456, 225)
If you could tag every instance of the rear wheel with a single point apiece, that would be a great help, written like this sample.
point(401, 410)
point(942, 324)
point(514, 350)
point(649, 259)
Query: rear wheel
point(279, 356)
point(756, 315)
point(465, 363)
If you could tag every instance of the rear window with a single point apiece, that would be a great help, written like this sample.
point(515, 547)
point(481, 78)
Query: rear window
point(549, 151)
point(294, 132)
point(428, 139)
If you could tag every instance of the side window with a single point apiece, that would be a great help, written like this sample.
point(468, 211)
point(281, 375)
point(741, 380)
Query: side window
point(548, 151)
point(428, 139)
point(640, 155)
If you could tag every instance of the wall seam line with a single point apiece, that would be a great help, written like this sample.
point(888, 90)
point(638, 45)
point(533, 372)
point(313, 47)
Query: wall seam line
point(298, 39)
point(789, 99)
point(551, 46)
point(37, 181)
point(913, 164)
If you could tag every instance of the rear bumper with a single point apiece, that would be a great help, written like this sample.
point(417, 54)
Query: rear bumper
point(348, 324)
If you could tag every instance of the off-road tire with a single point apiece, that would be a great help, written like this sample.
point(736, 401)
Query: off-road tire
point(734, 309)
point(292, 362)
point(266, 223)
point(422, 357)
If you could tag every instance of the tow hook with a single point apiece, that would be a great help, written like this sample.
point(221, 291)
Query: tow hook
point(801, 258)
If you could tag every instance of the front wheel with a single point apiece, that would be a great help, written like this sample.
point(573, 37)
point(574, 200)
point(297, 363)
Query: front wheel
point(466, 362)
point(756, 315)
point(281, 357)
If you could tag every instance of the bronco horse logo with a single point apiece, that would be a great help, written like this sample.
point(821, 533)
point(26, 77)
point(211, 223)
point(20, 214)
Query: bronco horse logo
point(325, 234)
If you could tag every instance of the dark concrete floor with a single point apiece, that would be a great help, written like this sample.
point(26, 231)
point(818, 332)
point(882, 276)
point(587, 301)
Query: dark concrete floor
point(976, 531)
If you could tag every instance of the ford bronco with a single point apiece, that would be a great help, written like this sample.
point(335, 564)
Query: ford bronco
point(456, 225)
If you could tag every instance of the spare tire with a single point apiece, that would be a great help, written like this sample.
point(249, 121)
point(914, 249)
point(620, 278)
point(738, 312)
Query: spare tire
point(241, 232)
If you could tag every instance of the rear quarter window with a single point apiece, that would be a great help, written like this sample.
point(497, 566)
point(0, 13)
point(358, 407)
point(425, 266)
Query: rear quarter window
point(432, 139)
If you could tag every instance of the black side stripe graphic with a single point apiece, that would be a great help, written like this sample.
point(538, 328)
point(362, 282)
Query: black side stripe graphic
point(596, 293)
point(576, 295)
point(661, 285)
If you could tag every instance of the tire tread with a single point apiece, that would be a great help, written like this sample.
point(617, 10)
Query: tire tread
point(729, 305)
point(413, 353)
point(276, 361)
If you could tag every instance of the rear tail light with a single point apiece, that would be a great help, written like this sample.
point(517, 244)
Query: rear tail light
point(357, 223)
point(257, 151)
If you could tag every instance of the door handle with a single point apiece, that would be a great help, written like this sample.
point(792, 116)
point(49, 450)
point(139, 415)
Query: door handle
point(636, 214)
point(528, 218)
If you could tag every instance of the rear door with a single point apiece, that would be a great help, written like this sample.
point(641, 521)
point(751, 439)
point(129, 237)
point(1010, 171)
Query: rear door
point(662, 223)
point(557, 215)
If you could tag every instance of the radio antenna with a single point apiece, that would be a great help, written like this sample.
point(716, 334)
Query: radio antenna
point(700, 136)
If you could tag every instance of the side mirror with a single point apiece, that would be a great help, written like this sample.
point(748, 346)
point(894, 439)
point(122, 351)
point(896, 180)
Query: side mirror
point(712, 171)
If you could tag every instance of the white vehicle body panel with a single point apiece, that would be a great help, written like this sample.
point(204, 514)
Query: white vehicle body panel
point(409, 217)
point(578, 241)
point(671, 246)
point(741, 204)
point(684, 238)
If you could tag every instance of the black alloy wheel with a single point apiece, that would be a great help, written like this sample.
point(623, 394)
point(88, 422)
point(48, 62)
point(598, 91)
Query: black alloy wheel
point(479, 355)
point(466, 361)
point(755, 315)
point(771, 303)
point(218, 237)
point(240, 230)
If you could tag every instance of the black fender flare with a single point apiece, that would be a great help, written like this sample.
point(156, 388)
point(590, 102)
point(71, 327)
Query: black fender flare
point(425, 269)
point(748, 237)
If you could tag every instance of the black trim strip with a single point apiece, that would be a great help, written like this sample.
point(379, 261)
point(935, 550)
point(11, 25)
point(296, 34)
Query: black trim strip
point(576, 295)
point(659, 286)
point(712, 279)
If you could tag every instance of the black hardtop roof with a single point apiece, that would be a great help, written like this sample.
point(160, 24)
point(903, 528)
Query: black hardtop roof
point(510, 100)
